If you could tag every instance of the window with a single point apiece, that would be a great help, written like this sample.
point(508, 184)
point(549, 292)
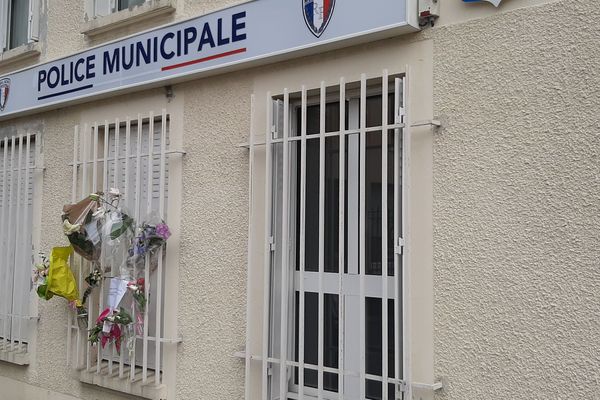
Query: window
point(106, 7)
point(104, 15)
point(124, 4)
point(134, 157)
point(333, 264)
point(21, 21)
point(19, 183)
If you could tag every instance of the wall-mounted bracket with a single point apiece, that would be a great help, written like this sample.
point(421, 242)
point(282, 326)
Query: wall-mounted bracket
point(428, 122)
point(429, 10)
point(428, 386)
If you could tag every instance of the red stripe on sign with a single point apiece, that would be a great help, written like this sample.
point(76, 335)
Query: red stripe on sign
point(200, 60)
point(326, 4)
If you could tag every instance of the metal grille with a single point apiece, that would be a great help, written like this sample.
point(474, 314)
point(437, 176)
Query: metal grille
point(132, 156)
point(333, 265)
point(18, 180)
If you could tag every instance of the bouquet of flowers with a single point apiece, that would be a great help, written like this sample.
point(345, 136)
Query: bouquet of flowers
point(110, 327)
point(116, 234)
point(96, 226)
point(93, 280)
point(55, 278)
point(150, 236)
point(39, 276)
point(81, 226)
point(138, 292)
point(137, 288)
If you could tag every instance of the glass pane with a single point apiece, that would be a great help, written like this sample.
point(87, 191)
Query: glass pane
point(373, 111)
point(373, 343)
point(373, 204)
point(331, 245)
point(332, 117)
point(332, 195)
point(123, 4)
point(312, 204)
point(311, 339)
point(311, 244)
point(390, 203)
point(374, 114)
point(313, 118)
point(391, 339)
point(19, 16)
point(374, 357)
point(330, 340)
point(351, 204)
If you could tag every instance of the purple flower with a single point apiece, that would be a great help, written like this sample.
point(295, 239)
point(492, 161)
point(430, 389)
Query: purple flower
point(162, 230)
point(139, 249)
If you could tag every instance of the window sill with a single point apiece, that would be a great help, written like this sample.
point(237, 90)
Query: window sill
point(29, 50)
point(19, 356)
point(123, 18)
point(112, 381)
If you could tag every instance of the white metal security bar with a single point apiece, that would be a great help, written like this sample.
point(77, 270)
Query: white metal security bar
point(19, 182)
point(333, 313)
point(131, 156)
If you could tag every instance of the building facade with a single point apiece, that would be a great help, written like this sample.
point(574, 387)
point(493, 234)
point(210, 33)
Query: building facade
point(483, 126)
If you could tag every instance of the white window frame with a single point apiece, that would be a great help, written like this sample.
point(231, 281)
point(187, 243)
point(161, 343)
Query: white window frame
point(33, 24)
point(279, 129)
point(101, 16)
point(21, 158)
point(102, 8)
point(93, 143)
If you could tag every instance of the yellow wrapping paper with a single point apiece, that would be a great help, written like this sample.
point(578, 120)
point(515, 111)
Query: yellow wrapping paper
point(61, 281)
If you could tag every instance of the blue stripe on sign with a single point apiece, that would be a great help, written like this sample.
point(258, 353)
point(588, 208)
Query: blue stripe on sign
point(65, 92)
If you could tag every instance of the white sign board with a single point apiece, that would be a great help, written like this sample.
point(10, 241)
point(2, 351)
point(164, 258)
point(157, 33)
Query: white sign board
point(251, 32)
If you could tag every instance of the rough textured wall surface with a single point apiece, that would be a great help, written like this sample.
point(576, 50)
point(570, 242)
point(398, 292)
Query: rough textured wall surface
point(517, 205)
point(194, 7)
point(212, 296)
point(62, 29)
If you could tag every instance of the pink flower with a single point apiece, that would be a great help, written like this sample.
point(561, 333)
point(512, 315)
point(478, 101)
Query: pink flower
point(140, 324)
point(163, 231)
point(102, 316)
point(115, 334)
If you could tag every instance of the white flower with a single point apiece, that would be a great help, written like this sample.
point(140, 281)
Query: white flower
point(69, 228)
point(99, 213)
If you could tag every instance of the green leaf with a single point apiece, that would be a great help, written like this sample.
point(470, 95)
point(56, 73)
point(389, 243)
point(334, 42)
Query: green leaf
point(119, 229)
point(41, 291)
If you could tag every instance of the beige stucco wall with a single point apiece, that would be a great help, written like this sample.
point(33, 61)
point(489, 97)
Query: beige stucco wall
point(214, 239)
point(515, 206)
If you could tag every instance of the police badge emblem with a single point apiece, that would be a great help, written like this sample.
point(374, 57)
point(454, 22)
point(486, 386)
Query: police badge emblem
point(4, 91)
point(317, 14)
